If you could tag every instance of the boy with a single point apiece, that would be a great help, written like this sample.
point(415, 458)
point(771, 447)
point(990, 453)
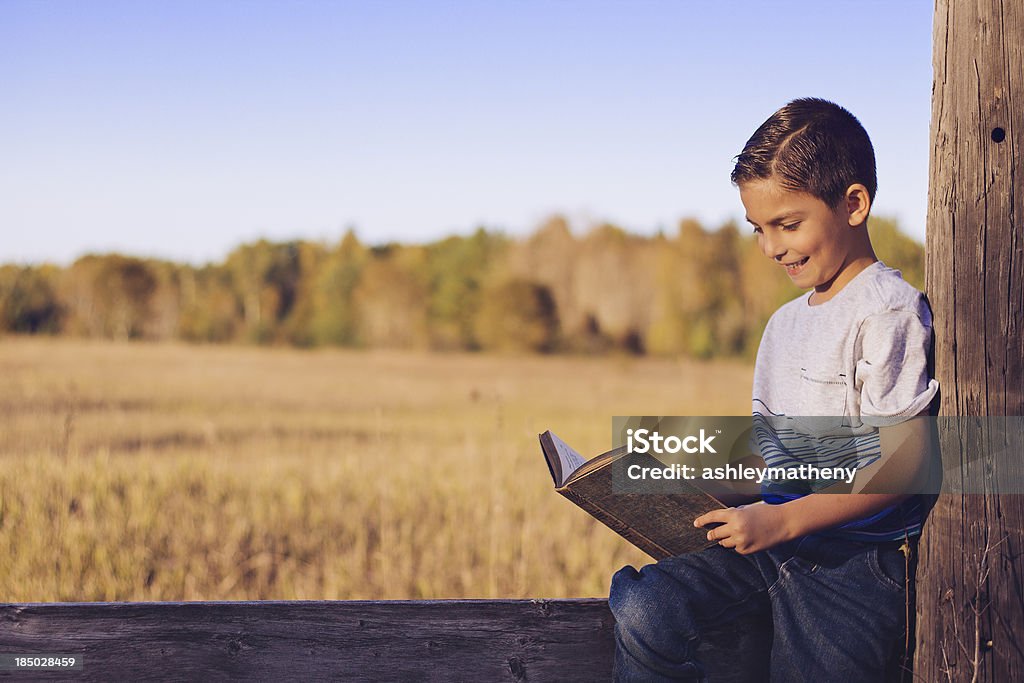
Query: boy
point(829, 568)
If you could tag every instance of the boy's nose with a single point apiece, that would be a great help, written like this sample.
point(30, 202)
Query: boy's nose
point(772, 249)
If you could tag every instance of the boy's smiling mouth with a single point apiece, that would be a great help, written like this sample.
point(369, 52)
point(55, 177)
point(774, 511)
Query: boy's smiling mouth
point(795, 267)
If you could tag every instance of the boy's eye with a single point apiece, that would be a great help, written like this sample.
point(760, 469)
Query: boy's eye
point(791, 226)
point(757, 231)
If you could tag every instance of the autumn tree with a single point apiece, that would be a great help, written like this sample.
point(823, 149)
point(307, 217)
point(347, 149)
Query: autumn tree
point(308, 260)
point(108, 296)
point(209, 307)
point(517, 315)
point(548, 257)
point(698, 293)
point(266, 277)
point(613, 285)
point(28, 300)
point(675, 299)
point(391, 298)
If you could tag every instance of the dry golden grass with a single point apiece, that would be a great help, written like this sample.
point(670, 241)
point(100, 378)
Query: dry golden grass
point(172, 472)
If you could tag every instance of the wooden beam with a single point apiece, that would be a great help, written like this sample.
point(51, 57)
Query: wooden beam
point(443, 640)
point(970, 582)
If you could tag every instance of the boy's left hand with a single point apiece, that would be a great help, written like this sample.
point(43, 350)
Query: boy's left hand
point(748, 528)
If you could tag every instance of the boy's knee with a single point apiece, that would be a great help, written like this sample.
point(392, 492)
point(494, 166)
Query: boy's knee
point(622, 595)
point(638, 597)
point(654, 631)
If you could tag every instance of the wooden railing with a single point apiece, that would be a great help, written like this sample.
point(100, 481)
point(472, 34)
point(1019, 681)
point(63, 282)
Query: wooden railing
point(442, 640)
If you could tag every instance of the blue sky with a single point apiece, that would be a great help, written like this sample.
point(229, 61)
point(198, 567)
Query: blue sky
point(181, 129)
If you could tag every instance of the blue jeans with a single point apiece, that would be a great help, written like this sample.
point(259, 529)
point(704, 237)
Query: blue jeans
point(837, 608)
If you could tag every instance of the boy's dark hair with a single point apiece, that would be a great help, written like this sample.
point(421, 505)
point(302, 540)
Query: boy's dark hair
point(810, 145)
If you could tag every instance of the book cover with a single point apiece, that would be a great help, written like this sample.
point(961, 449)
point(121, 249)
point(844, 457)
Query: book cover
point(660, 524)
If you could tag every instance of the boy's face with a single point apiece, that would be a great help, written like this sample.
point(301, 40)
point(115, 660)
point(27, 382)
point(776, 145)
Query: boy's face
point(813, 242)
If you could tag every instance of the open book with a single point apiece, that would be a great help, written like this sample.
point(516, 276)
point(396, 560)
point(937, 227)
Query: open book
point(660, 524)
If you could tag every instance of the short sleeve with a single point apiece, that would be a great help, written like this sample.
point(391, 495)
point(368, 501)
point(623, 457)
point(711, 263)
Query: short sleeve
point(892, 371)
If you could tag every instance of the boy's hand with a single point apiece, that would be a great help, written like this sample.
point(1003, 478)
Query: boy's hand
point(748, 528)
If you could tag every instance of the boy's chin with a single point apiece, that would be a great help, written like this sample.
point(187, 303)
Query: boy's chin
point(803, 280)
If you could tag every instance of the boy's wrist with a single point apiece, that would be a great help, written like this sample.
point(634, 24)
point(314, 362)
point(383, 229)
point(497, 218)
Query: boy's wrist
point(794, 521)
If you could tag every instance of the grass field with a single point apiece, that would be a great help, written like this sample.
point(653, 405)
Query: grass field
point(173, 472)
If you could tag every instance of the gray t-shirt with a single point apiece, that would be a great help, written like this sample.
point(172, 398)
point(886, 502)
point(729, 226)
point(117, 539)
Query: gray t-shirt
point(828, 376)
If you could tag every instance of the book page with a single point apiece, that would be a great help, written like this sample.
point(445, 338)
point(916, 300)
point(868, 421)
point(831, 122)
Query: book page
point(571, 460)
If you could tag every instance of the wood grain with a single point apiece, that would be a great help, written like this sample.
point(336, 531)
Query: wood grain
point(427, 640)
point(970, 582)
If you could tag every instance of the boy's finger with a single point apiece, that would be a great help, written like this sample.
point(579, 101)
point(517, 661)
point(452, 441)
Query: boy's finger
point(719, 533)
point(713, 516)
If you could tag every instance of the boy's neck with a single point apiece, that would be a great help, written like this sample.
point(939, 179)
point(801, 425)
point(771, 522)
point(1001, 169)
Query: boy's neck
point(847, 272)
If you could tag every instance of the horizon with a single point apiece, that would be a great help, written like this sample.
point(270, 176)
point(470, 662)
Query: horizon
point(577, 232)
point(181, 131)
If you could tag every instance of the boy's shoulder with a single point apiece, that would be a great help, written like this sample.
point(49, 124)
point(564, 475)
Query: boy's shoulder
point(885, 290)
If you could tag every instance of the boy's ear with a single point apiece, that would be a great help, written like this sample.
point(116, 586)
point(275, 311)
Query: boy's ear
point(857, 203)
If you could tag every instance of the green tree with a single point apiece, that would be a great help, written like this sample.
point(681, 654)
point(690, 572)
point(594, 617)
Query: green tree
point(458, 269)
point(266, 278)
point(688, 291)
point(297, 326)
point(722, 306)
point(209, 307)
point(897, 250)
point(334, 319)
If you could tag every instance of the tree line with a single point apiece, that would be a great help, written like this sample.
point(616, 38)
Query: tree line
point(695, 293)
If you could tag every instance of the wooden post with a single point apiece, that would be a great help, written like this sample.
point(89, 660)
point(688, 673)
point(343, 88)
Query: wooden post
point(970, 582)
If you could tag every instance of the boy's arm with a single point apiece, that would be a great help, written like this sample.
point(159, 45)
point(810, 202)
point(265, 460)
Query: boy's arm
point(899, 471)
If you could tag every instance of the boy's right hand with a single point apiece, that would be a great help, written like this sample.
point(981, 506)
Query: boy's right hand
point(747, 528)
